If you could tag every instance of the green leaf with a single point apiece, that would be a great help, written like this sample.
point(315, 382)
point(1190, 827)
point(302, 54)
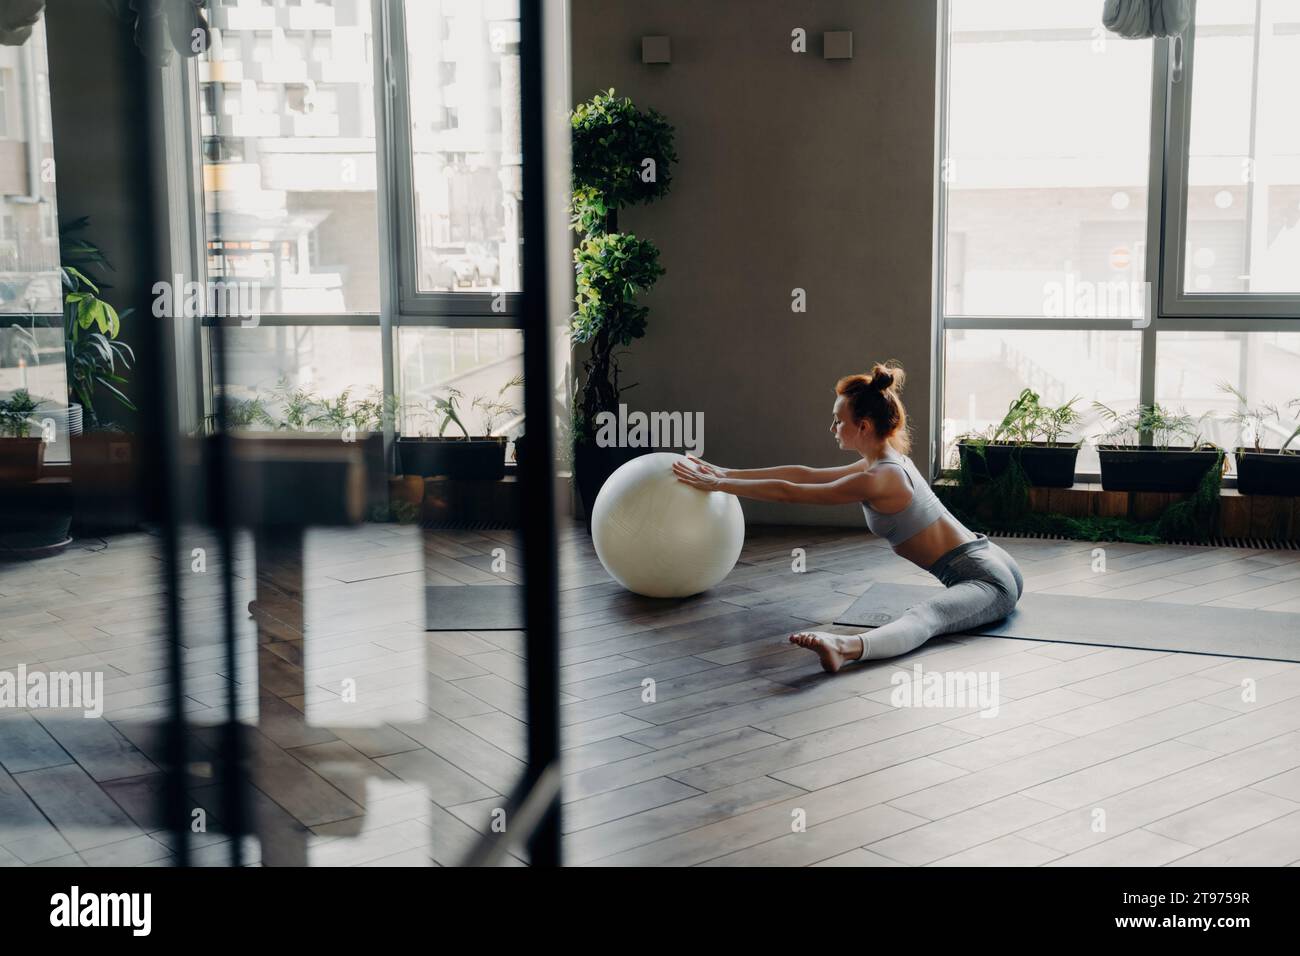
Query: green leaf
point(86, 311)
point(114, 322)
point(118, 395)
point(81, 277)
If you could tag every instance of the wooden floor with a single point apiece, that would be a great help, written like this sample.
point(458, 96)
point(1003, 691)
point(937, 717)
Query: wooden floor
point(693, 732)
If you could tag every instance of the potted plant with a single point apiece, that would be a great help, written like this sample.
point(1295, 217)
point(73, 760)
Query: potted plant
point(1260, 470)
point(34, 515)
point(246, 414)
point(477, 457)
point(94, 355)
point(299, 407)
point(621, 156)
point(1127, 464)
point(1029, 434)
point(22, 456)
point(273, 438)
point(105, 467)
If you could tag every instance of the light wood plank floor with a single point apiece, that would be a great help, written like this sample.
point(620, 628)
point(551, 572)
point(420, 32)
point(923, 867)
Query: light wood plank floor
point(693, 732)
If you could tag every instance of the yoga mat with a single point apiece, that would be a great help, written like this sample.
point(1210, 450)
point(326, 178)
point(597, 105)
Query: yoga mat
point(1110, 622)
point(483, 607)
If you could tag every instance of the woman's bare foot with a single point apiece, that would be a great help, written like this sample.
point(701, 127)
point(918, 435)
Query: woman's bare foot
point(833, 650)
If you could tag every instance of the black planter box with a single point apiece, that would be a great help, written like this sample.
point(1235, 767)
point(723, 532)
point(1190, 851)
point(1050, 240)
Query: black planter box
point(1147, 468)
point(482, 459)
point(289, 480)
point(1046, 466)
point(1267, 472)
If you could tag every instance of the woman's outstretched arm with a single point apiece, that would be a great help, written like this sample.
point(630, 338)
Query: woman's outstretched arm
point(799, 474)
point(851, 488)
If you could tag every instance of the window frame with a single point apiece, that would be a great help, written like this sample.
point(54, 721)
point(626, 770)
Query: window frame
point(4, 104)
point(1169, 309)
point(463, 310)
point(1175, 301)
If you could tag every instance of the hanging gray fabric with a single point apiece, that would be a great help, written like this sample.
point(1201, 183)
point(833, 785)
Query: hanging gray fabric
point(1136, 19)
point(17, 17)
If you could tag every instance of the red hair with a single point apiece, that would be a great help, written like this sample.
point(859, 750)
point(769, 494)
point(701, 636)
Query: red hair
point(875, 397)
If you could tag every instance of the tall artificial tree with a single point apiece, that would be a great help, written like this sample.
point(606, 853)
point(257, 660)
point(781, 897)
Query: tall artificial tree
point(621, 156)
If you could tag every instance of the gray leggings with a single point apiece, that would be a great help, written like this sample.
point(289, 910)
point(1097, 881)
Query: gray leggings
point(982, 583)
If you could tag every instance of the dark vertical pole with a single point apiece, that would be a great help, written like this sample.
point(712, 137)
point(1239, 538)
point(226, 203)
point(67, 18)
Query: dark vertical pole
point(160, 481)
point(541, 584)
point(218, 491)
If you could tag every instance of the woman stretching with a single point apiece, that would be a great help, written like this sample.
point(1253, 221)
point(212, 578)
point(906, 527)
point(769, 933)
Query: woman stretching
point(982, 582)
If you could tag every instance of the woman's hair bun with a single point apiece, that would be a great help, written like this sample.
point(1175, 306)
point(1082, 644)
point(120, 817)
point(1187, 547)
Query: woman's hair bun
point(885, 377)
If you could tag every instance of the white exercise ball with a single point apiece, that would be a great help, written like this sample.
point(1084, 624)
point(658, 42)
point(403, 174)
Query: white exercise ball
point(659, 537)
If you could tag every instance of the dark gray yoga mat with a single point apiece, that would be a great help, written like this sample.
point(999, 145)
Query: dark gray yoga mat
point(1110, 622)
point(482, 607)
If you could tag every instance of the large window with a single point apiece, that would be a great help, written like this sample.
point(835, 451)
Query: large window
point(457, 162)
point(465, 152)
point(378, 235)
point(290, 183)
point(1046, 179)
point(1120, 218)
point(1243, 175)
point(31, 300)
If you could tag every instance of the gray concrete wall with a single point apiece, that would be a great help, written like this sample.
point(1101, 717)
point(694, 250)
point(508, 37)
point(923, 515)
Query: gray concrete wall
point(794, 171)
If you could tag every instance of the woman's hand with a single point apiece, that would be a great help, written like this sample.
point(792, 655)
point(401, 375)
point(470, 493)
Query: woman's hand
point(693, 476)
point(703, 466)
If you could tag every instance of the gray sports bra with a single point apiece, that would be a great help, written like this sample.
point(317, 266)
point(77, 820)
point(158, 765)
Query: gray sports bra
point(921, 512)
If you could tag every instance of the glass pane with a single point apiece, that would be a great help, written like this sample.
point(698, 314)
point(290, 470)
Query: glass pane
point(1263, 366)
point(1048, 133)
point(32, 358)
point(985, 370)
point(463, 69)
point(1243, 193)
point(293, 377)
point(29, 239)
point(289, 154)
point(31, 297)
point(485, 366)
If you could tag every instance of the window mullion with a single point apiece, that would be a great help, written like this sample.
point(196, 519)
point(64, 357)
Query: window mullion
point(389, 280)
point(1157, 202)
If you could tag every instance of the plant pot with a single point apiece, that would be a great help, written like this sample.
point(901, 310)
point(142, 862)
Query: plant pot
point(295, 480)
point(21, 459)
point(592, 466)
point(481, 459)
point(1147, 468)
point(34, 536)
point(1045, 465)
point(107, 492)
point(1268, 471)
point(34, 518)
point(75, 419)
